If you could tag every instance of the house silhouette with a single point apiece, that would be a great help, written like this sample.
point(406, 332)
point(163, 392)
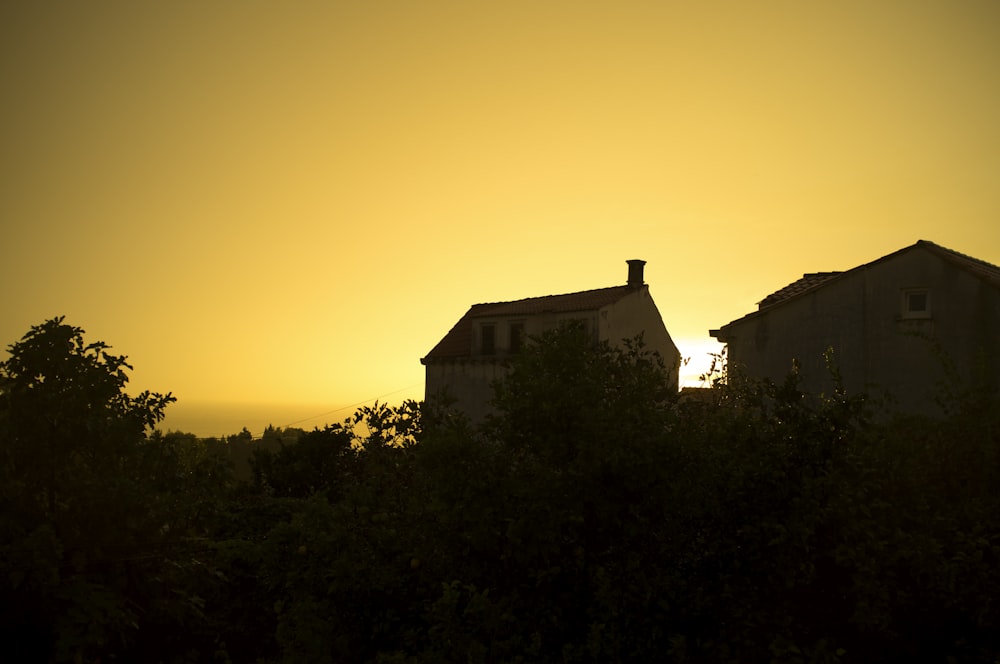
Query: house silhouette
point(907, 323)
point(476, 351)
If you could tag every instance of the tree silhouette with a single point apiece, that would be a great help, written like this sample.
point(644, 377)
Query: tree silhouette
point(94, 507)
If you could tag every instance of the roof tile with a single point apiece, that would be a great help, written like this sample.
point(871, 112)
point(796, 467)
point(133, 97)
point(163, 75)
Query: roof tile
point(808, 280)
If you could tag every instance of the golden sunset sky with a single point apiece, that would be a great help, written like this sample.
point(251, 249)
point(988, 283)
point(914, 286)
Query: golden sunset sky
point(286, 205)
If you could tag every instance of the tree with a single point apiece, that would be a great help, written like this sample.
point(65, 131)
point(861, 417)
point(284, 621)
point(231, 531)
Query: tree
point(65, 411)
point(95, 509)
point(566, 396)
point(318, 462)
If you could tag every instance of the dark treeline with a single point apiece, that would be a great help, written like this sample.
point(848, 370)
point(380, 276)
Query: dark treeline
point(595, 518)
point(239, 449)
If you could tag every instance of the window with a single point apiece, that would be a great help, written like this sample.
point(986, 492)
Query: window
point(585, 326)
point(516, 337)
point(488, 345)
point(916, 303)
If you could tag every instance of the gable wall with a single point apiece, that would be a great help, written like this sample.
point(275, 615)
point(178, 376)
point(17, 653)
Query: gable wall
point(860, 316)
point(635, 314)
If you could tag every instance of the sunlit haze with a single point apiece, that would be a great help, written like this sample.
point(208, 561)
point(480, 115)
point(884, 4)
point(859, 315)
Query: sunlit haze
point(282, 207)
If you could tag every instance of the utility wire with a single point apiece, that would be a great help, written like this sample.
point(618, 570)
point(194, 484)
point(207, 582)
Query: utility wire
point(353, 405)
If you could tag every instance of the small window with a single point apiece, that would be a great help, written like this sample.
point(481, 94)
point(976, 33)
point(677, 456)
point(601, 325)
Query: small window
point(516, 337)
point(916, 303)
point(489, 341)
point(586, 327)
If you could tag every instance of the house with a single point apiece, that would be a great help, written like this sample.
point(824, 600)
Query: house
point(894, 325)
point(474, 353)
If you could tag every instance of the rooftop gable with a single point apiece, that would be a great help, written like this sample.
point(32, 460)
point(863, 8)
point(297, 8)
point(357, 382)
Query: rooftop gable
point(458, 341)
point(816, 280)
point(985, 271)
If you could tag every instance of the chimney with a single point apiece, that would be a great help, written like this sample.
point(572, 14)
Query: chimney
point(635, 272)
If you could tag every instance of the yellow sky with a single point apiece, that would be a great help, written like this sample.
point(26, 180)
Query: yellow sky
point(290, 203)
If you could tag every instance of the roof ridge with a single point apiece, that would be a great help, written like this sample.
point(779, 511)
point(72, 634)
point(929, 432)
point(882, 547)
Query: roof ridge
point(542, 297)
point(958, 254)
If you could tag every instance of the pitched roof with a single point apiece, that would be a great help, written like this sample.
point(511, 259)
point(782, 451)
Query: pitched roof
point(813, 280)
point(458, 341)
point(809, 280)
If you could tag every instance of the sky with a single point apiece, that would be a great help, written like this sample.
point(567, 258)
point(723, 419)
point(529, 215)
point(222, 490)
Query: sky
point(276, 209)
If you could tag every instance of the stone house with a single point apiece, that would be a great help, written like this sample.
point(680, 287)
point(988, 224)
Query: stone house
point(474, 353)
point(894, 325)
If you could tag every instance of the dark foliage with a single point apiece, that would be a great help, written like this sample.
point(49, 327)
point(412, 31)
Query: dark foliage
point(595, 518)
point(101, 524)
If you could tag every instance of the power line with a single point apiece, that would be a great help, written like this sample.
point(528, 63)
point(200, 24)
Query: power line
point(353, 405)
